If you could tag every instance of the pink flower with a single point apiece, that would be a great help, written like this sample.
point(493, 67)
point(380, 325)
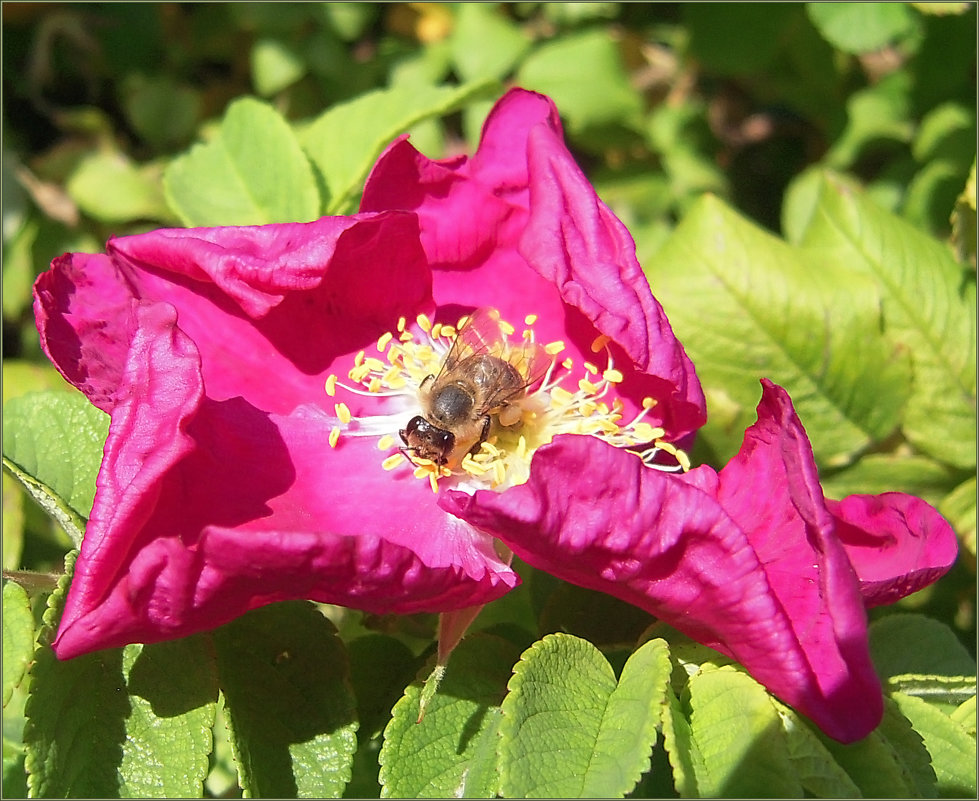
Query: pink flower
point(257, 379)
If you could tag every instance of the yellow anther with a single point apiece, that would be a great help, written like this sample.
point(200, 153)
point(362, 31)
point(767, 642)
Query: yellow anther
point(359, 358)
point(343, 413)
point(392, 461)
point(506, 328)
point(613, 376)
point(424, 323)
point(436, 330)
point(434, 481)
point(449, 331)
point(554, 348)
point(567, 364)
point(591, 368)
point(402, 322)
point(648, 403)
point(334, 436)
point(382, 343)
point(530, 319)
point(561, 396)
point(385, 443)
point(587, 386)
point(600, 342)
point(331, 385)
point(374, 385)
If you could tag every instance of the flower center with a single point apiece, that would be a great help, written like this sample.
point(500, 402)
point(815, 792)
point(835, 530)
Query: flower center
point(472, 402)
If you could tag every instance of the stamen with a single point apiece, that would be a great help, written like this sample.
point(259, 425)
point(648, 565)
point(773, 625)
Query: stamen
point(560, 402)
point(600, 342)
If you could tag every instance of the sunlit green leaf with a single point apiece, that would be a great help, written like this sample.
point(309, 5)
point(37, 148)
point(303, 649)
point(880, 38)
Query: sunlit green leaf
point(937, 651)
point(18, 637)
point(746, 305)
point(345, 141)
point(960, 510)
point(951, 748)
point(862, 27)
point(570, 730)
point(275, 65)
point(252, 172)
point(928, 308)
point(108, 186)
point(52, 443)
point(485, 44)
point(584, 75)
point(739, 737)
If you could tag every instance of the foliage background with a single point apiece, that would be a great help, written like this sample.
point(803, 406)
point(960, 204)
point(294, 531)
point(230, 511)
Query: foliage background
point(689, 119)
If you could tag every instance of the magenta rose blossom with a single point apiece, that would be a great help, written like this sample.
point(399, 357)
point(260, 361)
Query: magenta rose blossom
point(258, 380)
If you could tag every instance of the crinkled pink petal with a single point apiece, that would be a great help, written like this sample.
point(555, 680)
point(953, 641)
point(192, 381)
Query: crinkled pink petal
point(519, 227)
point(271, 307)
point(206, 509)
point(897, 543)
point(748, 561)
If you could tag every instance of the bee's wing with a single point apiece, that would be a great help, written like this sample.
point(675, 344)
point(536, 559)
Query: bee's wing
point(480, 334)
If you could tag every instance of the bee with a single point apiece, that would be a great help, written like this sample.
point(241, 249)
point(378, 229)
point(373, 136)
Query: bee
point(481, 376)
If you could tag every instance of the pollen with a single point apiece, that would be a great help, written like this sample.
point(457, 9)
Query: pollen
point(590, 400)
point(600, 342)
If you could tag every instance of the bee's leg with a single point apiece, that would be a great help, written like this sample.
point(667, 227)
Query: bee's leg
point(482, 435)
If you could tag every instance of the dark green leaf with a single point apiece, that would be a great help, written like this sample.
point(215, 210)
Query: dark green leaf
point(285, 679)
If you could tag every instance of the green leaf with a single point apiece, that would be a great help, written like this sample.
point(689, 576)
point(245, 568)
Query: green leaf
point(131, 722)
point(173, 698)
point(761, 30)
point(162, 111)
point(345, 141)
point(14, 518)
point(584, 75)
point(484, 42)
point(874, 763)
point(681, 748)
point(952, 749)
point(18, 637)
point(937, 651)
point(451, 752)
point(746, 305)
point(819, 774)
point(569, 730)
point(52, 444)
point(275, 65)
point(739, 737)
point(285, 679)
point(964, 221)
point(252, 172)
point(879, 472)
point(107, 186)
point(862, 27)
point(960, 510)
point(928, 306)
